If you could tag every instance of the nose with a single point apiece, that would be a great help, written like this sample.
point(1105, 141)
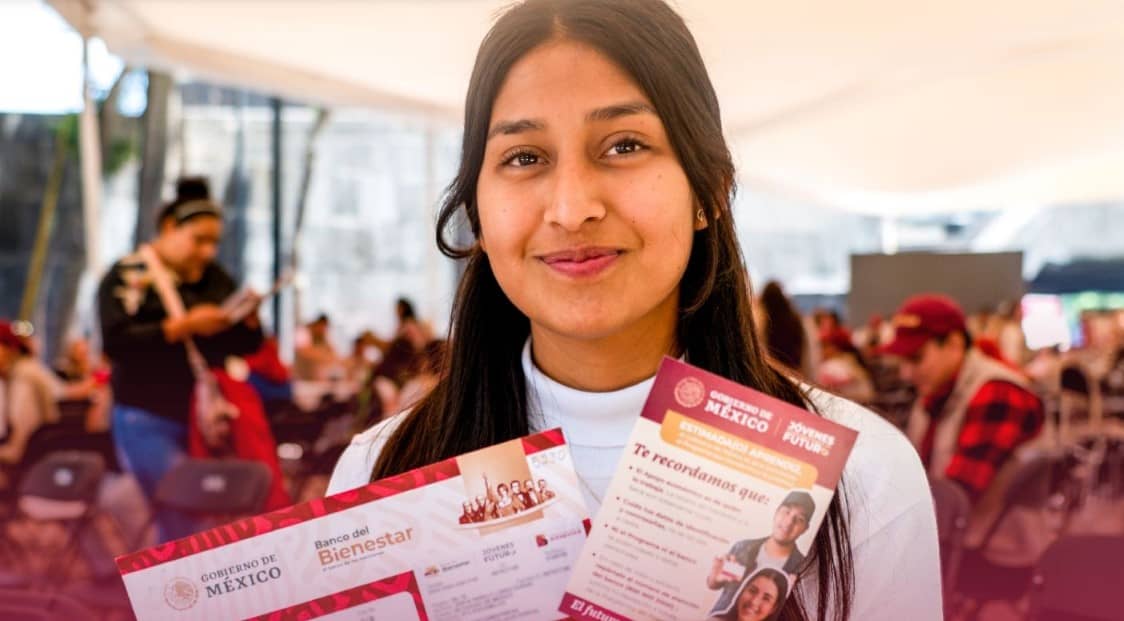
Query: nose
point(209, 252)
point(575, 198)
point(905, 371)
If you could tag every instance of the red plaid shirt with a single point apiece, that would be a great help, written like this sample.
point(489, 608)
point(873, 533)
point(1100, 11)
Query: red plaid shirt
point(1000, 417)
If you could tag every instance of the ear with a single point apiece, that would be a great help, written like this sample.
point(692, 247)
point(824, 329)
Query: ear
point(701, 219)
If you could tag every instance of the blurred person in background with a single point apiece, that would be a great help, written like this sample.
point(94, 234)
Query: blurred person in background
point(365, 353)
point(153, 382)
point(973, 412)
point(316, 359)
point(77, 365)
point(401, 362)
point(29, 392)
point(980, 322)
point(827, 321)
point(270, 377)
point(417, 332)
point(381, 394)
point(1009, 336)
point(869, 338)
point(429, 371)
point(843, 369)
point(782, 329)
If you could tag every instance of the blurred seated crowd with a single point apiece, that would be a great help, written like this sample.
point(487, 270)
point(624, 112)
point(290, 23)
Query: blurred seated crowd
point(982, 410)
point(313, 407)
point(1024, 449)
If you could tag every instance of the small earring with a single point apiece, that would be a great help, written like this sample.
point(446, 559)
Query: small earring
point(700, 215)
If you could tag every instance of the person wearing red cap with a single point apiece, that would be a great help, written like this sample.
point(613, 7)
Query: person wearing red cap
point(12, 348)
point(973, 412)
point(29, 392)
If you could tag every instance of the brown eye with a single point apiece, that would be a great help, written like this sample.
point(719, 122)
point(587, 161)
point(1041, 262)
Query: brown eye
point(628, 146)
point(522, 159)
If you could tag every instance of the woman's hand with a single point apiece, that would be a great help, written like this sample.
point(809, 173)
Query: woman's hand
point(201, 320)
point(207, 319)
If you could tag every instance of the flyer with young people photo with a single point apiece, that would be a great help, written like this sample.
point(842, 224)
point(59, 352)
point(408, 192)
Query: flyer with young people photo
point(492, 532)
point(718, 495)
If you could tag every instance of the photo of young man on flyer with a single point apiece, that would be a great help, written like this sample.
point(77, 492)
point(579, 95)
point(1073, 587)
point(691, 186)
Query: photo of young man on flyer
point(777, 551)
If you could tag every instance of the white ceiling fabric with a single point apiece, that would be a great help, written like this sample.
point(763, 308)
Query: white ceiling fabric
point(876, 106)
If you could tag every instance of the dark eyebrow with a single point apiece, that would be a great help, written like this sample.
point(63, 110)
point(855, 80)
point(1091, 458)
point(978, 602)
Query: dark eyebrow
point(608, 113)
point(514, 127)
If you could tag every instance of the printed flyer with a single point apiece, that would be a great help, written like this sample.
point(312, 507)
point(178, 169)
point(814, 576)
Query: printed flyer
point(487, 535)
point(714, 505)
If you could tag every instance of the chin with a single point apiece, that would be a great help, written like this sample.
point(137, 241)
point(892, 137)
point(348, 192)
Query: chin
point(583, 326)
point(194, 276)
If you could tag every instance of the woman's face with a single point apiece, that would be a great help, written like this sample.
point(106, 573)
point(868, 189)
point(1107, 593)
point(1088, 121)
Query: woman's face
point(190, 247)
point(586, 215)
point(757, 600)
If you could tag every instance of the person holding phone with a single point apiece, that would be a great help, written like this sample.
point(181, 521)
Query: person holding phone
point(152, 379)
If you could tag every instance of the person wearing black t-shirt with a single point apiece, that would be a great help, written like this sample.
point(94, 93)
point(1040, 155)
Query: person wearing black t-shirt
point(152, 379)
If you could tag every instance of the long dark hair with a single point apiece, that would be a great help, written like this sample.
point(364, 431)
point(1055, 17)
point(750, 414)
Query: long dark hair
point(784, 329)
point(481, 398)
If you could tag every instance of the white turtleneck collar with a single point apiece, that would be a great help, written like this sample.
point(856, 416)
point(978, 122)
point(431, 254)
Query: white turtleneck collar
point(589, 419)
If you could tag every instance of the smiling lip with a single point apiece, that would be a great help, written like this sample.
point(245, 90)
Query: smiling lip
point(581, 262)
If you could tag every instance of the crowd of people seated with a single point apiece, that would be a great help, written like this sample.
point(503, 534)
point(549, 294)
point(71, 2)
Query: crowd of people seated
point(963, 388)
point(982, 410)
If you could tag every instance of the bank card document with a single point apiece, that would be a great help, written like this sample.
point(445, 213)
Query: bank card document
point(712, 510)
point(491, 534)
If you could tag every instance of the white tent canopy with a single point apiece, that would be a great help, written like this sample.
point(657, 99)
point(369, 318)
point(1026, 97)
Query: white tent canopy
point(877, 106)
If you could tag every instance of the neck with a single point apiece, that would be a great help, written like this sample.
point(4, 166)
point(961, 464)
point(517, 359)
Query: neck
point(608, 363)
point(778, 550)
point(162, 254)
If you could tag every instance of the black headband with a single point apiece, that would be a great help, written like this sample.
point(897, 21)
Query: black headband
point(198, 207)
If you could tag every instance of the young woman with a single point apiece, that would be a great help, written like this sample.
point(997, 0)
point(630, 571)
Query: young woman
point(598, 186)
point(152, 380)
point(760, 596)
